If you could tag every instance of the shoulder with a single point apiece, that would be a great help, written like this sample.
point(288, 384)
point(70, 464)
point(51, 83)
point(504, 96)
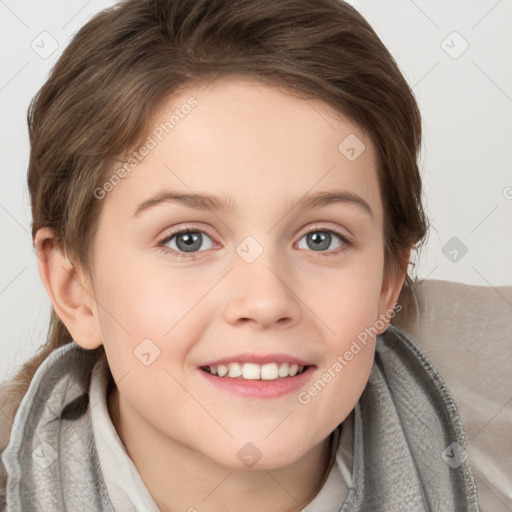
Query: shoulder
point(5, 432)
point(464, 330)
point(463, 324)
point(58, 383)
point(8, 408)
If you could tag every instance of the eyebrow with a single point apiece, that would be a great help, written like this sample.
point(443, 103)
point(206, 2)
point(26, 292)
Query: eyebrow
point(201, 201)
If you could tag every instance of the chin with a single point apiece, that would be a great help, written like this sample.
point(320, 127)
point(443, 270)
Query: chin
point(260, 456)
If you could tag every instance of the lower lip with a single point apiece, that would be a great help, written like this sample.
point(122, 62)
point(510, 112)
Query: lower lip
point(260, 388)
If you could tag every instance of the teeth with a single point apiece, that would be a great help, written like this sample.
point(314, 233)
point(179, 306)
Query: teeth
point(283, 370)
point(235, 370)
point(270, 371)
point(293, 370)
point(252, 371)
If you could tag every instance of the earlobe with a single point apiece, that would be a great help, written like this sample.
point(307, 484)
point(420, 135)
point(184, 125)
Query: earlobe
point(72, 296)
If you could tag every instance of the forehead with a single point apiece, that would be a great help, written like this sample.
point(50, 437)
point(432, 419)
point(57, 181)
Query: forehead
point(253, 143)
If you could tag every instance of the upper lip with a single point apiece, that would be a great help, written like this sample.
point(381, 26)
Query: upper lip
point(258, 359)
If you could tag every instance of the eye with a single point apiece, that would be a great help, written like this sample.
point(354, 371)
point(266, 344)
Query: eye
point(185, 243)
point(187, 240)
point(320, 240)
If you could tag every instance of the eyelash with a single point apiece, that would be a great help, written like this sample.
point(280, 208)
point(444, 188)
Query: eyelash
point(346, 242)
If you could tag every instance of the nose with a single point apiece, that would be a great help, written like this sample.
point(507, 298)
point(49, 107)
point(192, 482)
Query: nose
point(261, 293)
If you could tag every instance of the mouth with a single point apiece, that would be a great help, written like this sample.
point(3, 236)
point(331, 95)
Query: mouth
point(254, 371)
point(251, 380)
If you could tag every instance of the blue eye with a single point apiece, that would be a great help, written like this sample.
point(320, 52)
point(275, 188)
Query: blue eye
point(185, 241)
point(320, 240)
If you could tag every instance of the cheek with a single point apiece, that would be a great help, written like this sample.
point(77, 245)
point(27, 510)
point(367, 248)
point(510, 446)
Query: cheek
point(349, 353)
point(348, 305)
point(347, 299)
point(145, 316)
point(143, 300)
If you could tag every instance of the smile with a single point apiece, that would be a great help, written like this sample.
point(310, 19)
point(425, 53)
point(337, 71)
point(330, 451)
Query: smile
point(250, 380)
point(253, 371)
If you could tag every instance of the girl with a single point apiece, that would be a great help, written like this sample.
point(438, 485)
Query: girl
point(225, 196)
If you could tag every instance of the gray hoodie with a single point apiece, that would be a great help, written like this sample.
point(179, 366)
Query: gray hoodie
point(409, 447)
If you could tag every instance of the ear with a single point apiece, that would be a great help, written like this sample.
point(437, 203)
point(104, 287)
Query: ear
point(392, 282)
point(72, 295)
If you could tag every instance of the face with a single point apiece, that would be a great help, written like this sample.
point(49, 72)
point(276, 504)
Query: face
point(264, 274)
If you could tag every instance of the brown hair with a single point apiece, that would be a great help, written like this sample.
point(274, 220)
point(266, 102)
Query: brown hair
point(99, 100)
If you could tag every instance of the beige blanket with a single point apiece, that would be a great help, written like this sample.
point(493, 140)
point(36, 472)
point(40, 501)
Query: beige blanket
point(466, 332)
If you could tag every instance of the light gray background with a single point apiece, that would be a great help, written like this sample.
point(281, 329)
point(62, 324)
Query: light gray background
point(465, 98)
